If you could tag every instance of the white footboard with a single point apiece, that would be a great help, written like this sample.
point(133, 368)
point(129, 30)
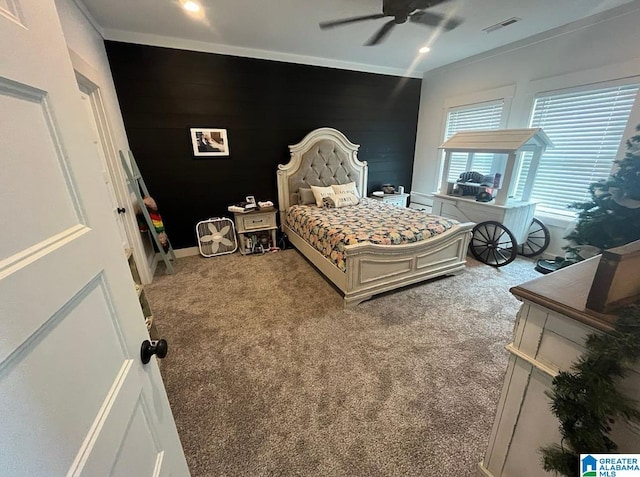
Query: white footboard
point(373, 269)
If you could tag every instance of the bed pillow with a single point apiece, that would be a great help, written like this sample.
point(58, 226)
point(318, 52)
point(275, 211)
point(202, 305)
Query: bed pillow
point(349, 188)
point(320, 193)
point(340, 200)
point(305, 196)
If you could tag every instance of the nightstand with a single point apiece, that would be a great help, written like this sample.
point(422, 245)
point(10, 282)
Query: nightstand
point(399, 200)
point(248, 223)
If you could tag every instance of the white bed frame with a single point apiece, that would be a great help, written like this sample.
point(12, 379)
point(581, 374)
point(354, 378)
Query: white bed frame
point(324, 157)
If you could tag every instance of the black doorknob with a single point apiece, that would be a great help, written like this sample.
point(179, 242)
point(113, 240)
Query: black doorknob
point(149, 348)
point(121, 210)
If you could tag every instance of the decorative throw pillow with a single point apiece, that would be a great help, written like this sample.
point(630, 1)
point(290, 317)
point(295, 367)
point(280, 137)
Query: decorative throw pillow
point(349, 188)
point(305, 196)
point(340, 200)
point(320, 193)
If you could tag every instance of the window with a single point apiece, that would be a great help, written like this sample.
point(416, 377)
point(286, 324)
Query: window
point(474, 117)
point(586, 129)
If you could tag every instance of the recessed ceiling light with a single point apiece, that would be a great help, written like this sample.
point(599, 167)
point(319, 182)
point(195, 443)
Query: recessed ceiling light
point(424, 49)
point(191, 6)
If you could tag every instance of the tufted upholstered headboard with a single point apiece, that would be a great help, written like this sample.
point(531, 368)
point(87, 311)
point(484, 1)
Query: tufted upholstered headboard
point(324, 157)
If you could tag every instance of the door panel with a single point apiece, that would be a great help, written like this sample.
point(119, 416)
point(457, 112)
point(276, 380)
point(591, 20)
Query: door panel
point(98, 455)
point(73, 391)
point(35, 297)
point(9, 9)
point(149, 462)
point(34, 171)
point(69, 403)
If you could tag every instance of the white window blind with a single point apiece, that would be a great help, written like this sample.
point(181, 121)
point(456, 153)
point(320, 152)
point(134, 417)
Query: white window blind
point(486, 116)
point(586, 129)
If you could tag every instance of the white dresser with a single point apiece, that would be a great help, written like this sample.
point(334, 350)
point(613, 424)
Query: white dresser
point(549, 335)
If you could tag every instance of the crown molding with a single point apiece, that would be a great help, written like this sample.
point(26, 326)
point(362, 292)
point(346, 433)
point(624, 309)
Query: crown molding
point(542, 37)
point(201, 46)
point(87, 14)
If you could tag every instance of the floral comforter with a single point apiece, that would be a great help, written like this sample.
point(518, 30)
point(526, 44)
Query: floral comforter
point(329, 230)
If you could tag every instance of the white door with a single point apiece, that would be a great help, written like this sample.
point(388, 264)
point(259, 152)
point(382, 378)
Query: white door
point(87, 102)
point(75, 398)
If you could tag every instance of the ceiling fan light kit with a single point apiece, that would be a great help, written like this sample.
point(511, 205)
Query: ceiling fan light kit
point(191, 6)
point(401, 11)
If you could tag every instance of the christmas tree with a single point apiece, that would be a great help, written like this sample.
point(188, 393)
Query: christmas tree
point(612, 217)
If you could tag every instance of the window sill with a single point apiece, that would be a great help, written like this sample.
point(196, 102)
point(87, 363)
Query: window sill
point(555, 220)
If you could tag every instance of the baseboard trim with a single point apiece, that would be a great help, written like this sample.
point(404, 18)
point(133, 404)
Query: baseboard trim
point(186, 252)
point(483, 471)
point(179, 252)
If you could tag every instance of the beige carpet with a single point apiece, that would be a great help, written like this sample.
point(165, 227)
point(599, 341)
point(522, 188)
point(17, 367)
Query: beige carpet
point(268, 376)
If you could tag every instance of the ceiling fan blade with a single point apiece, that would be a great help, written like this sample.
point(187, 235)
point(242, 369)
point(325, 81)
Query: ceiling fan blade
point(434, 20)
point(346, 21)
point(424, 4)
point(381, 33)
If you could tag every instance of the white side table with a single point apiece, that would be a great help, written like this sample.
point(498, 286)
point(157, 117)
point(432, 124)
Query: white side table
point(399, 200)
point(261, 220)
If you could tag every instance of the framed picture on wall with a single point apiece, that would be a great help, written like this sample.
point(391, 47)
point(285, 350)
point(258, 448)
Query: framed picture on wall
point(209, 142)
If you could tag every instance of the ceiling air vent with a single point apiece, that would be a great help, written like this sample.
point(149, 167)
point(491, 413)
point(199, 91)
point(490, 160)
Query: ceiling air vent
point(502, 24)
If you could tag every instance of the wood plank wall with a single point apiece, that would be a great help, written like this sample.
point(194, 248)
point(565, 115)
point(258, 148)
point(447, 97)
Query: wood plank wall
point(265, 106)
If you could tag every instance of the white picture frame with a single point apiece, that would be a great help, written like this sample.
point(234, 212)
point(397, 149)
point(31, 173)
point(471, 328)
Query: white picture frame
point(209, 142)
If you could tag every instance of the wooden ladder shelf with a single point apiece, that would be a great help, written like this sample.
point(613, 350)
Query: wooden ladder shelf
point(137, 184)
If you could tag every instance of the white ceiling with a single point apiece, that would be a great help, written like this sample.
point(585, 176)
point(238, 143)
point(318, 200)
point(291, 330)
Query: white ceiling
point(288, 29)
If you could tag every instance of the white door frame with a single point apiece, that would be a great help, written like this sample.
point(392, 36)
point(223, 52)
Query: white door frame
point(88, 79)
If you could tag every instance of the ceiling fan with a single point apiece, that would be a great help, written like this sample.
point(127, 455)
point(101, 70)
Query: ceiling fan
point(401, 11)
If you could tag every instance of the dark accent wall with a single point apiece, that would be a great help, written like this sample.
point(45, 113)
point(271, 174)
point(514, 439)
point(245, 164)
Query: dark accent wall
point(265, 106)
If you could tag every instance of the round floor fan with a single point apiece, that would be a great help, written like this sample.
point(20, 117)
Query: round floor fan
point(216, 237)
